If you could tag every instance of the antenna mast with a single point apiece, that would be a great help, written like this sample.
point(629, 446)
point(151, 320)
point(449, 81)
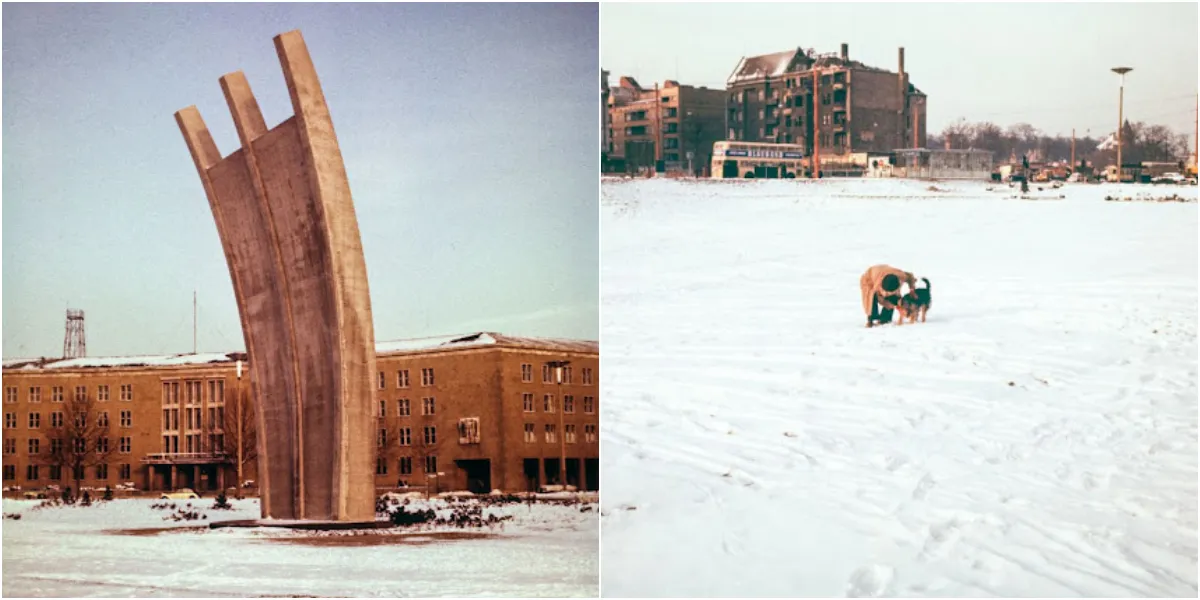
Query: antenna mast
point(74, 340)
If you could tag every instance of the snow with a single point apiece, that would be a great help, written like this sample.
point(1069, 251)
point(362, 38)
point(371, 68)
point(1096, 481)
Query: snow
point(428, 343)
point(1036, 437)
point(150, 360)
point(546, 550)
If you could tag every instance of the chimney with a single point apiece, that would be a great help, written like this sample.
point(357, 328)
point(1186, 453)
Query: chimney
point(845, 51)
point(901, 60)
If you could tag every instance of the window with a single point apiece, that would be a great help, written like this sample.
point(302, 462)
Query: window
point(126, 392)
point(430, 435)
point(547, 374)
point(382, 408)
point(587, 376)
point(10, 446)
point(102, 393)
point(35, 446)
point(402, 407)
point(589, 405)
point(81, 419)
point(10, 395)
point(405, 438)
point(56, 419)
point(382, 381)
point(170, 392)
point(380, 466)
point(639, 130)
point(56, 394)
point(527, 373)
point(381, 438)
point(35, 420)
point(427, 406)
point(671, 142)
point(102, 472)
point(80, 393)
point(126, 445)
point(527, 402)
point(406, 465)
point(80, 445)
point(78, 472)
point(548, 403)
point(216, 391)
point(589, 433)
point(569, 432)
point(56, 446)
point(566, 375)
point(530, 434)
point(568, 404)
point(427, 377)
point(671, 127)
point(55, 472)
point(126, 472)
point(468, 431)
point(35, 394)
point(402, 378)
point(31, 472)
point(102, 445)
point(431, 464)
point(551, 435)
point(216, 418)
point(126, 418)
point(10, 420)
point(10, 472)
point(103, 420)
point(671, 156)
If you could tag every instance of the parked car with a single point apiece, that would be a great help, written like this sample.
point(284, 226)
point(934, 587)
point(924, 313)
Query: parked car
point(1175, 178)
point(34, 495)
point(180, 494)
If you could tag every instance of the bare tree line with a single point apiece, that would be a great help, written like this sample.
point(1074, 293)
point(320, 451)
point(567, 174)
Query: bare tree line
point(1140, 141)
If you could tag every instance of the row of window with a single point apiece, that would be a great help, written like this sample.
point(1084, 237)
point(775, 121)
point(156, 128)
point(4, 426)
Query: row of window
point(402, 380)
point(193, 392)
point(193, 418)
point(35, 446)
point(568, 403)
point(404, 408)
point(57, 393)
point(551, 433)
point(33, 472)
point(548, 374)
point(406, 465)
point(404, 436)
point(56, 419)
point(193, 443)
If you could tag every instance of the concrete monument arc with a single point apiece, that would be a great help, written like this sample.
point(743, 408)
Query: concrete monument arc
point(286, 219)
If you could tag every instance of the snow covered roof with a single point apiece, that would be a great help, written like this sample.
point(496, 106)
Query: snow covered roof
point(427, 344)
point(766, 65)
point(455, 342)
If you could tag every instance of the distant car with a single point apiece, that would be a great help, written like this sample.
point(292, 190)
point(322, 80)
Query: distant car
point(1175, 178)
point(180, 494)
point(35, 495)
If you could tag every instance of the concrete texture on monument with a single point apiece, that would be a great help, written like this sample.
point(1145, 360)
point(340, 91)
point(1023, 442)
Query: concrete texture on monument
point(286, 220)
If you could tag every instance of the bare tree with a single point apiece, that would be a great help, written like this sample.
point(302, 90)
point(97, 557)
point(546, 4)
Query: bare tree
point(239, 434)
point(426, 440)
point(79, 437)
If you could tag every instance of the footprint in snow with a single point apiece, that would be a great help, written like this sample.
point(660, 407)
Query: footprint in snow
point(870, 582)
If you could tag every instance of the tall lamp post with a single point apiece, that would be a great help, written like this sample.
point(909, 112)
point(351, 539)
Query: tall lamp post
point(558, 366)
point(1120, 118)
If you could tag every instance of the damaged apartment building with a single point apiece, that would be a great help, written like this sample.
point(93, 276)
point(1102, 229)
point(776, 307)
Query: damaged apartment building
point(667, 129)
point(800, 97)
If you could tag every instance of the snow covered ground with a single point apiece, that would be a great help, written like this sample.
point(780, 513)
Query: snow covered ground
point(1036, 437)
point(549, 550)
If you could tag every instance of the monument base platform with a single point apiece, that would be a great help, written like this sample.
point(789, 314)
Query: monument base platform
point(312, 525)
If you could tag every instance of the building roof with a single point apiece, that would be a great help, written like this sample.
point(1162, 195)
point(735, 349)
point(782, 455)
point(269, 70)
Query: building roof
point(394, 347)
point(765, 65)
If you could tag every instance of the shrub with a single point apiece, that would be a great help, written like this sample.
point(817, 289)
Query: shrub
point(222, 502)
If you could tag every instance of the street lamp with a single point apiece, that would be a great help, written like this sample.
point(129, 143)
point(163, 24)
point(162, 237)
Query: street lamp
point(1120, 117)
point(558, 366)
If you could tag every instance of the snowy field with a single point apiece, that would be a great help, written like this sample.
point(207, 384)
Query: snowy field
point(1036, 437)
point(549, 550)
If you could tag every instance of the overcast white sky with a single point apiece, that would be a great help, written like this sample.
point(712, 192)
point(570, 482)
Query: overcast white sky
point(1045, 64)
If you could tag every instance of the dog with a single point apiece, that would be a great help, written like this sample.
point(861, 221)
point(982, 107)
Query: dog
point(915, 303)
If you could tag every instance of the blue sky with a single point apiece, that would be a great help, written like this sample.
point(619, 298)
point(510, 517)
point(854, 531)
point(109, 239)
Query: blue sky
point(1046, 64)
point(469, 133)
